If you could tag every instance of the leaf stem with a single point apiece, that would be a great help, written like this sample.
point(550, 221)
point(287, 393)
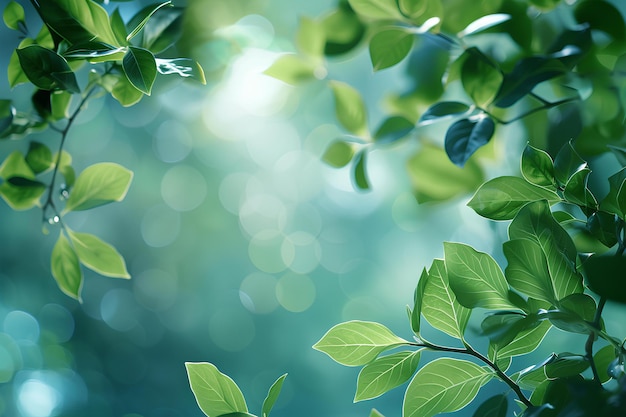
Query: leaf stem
point(546, 105)
point(468, 350)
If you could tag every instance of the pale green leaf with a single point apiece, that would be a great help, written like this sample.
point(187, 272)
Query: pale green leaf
point(502, 197)
point(272, 396)
point(311, 38)
point(39, 157)
point(338, 154)
point(125, 93)
point(390, 46)
point(476, 278)
point(65, 268)
point(216, 393)
point(375, 413)
point(13, 15)
point(350, 108)
point(140, 68)
point(292, 69)
point(443, 386)
point(98, 255)
point(385, 373)
point(359, 171)
point(99, 184)
point(439, 305)
point(357, 343)
point(376, 9)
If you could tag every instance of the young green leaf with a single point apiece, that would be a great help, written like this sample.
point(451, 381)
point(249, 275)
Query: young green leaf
point(566, 365)
point(65, 268)
point(60, 104)
point(140, 68)
point(19, 194)
point(535, 222)
point(99, 184)
point(526, 341)
point(292, 69)
point(439, 305)
point(376, 9)
point(390, 46)
point(98, 255)
point(183, 67)
point(393, 128)
point(311, 38)
point(567, 163)
point(13, 16)
point(349, 108)
point(527, 269)
point(465, 136)
point(480, 77)
point(39, 157)
point(418, 298)
point(476, 278)
point(615, 200)
point(46, 69)
point(385, 373)
point(502, 197)
point(118, 26)
point(443, 386)
point(603, 359)
point(375, 413)
point(144, 16)
point(216, 393)
point(125, 92)
point(357, 343)
point(576, 191)
point(441, 110)
point(496, 406)
point(343, 30)
point(537, 167)
point(272, 396)
point(359, 171)
point(338, 154)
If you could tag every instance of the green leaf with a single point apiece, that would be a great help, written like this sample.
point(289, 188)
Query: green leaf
point(238, 414)
point(46, 69)
point(15, 74)
point(19, 195)
point(65, 168)
point(615, 200)
point(77, 21)
point(343, 30)
point(60, 104)
point(413, 8)
point(385, 373)
point(576, 191)
point(418, 297)
point(162, 30)
point(99, 184)
point(526, 341)
point(603, 226)
point(183, 67)
point(483, 23)
point(98, 255)
point(605, 276)
point(144, 16)
point(393, 128)
point(65, 268)
point(376, 9)
point(375, 413)
point(338, 154)
point(359, 172)
point(311, 38)
point(537, 167)
point(502, 197)
point(442, 386)
point(443, 109)
point(439, 304)
point(216, 393)
point(272, 396)
point(601, 15)
point(357, 343)
point(13, 16)
point(349, 108)
point(465, 136)
point(503, 327)
point(496, 406)
point(125, 92)
point(566, 365)
point(292, 69)
point(7, 114)
point(567, 163)
point(535, 223)
point(39, 157)
point(476, 278)
point(118, 26)
point(603, 359)
point(527, 270)
point(140, 68)
point(480, 77)
point(390, 46)
point(435, 178)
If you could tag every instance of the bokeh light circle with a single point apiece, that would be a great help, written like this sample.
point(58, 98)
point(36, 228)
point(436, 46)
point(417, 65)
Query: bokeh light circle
point(160, 226)
point(295, 292)
point(258, 293)
point(183, 188)
point(172, 141)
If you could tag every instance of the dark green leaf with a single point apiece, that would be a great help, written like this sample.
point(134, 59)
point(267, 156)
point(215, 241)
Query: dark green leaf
point(144, 16)
point(98, 255)
point(343, 30)
point(356, 343)
point(272, 396)
point(46, 69)
point(537, 167)
point(443, 385)
point(39, 157)
point(162, 30)
point(393, 129)
point(495, 406)
point(385, 373)
point(502, 197)
point(441, 110)
point(41, 103)
point(65, 268)
point(480, 77)
point(349, 108)
point(25, 182)
point(603, 359)
point(565, 320)
point(13, 16)
point(182, 67)
point(605, 275)
point(99, 184)
point(390, 46)
point(464, 137)
point(216, 393)
point(567, 163)
point(476, 278)
point(484, 23)
point(435, 178)
point(576, 191)
point(615, 201)
point(20, 196)
point(338, 154)
point(359, 171)
point(502, 328)
point(418, 298)
point(7, 113)
point(140, 68)
point(601, 15)
point(565, 366)
point(603, 226)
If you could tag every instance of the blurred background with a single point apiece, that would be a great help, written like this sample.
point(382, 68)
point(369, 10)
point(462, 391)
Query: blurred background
point(244, 248)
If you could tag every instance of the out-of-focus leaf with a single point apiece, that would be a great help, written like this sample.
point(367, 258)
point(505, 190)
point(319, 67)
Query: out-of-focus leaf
point(343, 30)
point(292, 69)
point(376, 9)
point(350, 108)
point(390, 46)
point(311, 37)
point(359, 171)
point(7, 114)
point(441, 110)
point(601, 15)
point(464, 137)
point(483, 23)
point(39, 157)
point(46, 69)
point(13, 15)
point(99, 184)
point(19, 189)
point(392, 129)
point(338, 154)
point(65, 268)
